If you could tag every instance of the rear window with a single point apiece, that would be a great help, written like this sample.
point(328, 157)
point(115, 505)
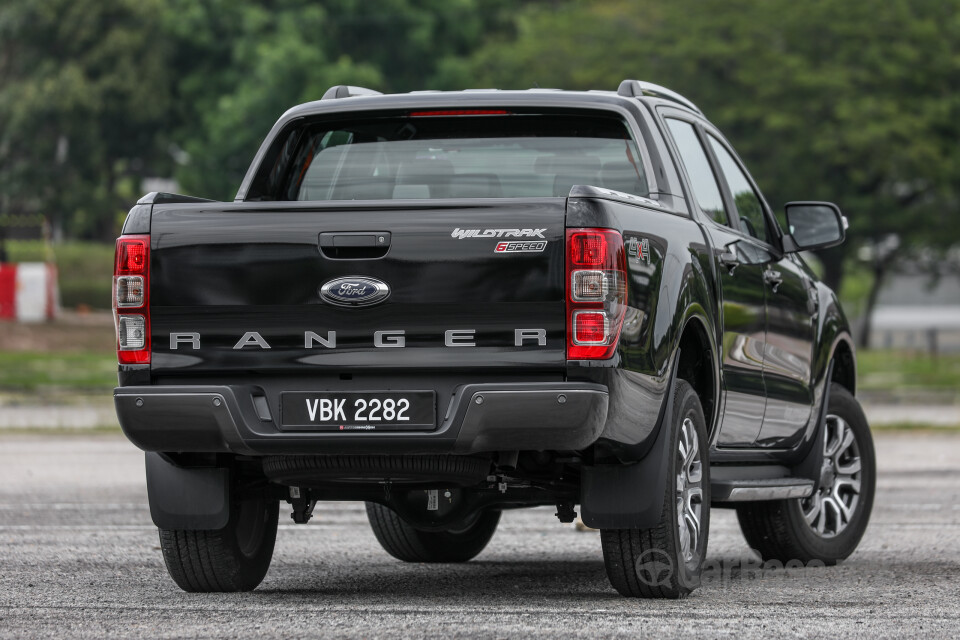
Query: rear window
point(436, 154)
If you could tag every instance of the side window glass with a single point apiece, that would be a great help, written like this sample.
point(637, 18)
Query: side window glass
point(752, 220)
point(704, 184)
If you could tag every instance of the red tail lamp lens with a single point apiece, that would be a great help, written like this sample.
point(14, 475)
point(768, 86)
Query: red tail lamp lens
point(590, 327)
point(588, 249)
point(131, 256)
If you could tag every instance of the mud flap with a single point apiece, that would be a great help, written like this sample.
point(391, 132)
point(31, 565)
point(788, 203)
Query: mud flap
point(629, 496)
point(182, 498)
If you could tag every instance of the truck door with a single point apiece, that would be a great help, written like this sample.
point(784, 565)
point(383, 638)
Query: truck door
point(741, 266)
point(788, 347)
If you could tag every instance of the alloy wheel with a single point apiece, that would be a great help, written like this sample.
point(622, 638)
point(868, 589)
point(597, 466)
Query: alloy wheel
point(689, 491)
point(829, 511)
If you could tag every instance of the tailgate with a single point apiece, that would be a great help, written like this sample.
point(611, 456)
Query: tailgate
point(428, 285)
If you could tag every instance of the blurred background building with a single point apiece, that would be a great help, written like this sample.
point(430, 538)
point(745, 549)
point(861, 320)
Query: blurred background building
point(917, 310)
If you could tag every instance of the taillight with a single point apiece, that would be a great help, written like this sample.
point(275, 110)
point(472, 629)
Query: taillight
point(131, 306)
point(596, 292)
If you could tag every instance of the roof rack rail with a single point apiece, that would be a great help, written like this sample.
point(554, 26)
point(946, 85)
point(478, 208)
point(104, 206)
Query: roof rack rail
point(632, 88)
point(347, 91)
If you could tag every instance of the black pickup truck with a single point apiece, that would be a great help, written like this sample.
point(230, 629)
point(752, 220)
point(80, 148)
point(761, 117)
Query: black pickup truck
point(448, 304)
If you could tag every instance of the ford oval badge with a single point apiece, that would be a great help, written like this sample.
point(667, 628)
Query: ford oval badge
point(355, 291)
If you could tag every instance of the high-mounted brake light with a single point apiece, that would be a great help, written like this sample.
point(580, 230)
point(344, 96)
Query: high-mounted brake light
point(596, 292)
point(459, 112)
point(131, 309)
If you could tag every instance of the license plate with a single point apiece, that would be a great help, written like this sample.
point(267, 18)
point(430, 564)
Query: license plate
point(358, 410)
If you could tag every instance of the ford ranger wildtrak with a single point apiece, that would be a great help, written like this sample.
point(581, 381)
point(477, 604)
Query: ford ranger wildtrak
point(449, 304)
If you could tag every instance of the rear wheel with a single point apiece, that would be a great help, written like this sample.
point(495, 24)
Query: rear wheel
point(235, 558)
point(828, 525)
point(665, 561)
point(405, 542)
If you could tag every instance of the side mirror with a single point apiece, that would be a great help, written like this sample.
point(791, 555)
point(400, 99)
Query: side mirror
point(813, 225)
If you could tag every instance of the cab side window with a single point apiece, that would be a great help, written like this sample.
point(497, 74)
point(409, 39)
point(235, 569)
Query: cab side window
point(704, 183)
point(752, 220)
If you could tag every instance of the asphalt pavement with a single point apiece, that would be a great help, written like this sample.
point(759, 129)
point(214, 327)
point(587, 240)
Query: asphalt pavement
point(79, 557)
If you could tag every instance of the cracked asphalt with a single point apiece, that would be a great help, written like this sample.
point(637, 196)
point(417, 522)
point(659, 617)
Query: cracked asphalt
point(79, 557)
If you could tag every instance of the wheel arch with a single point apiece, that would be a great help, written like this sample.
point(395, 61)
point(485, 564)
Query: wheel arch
point(845, 364)
point(834, 343)
point(698, 365)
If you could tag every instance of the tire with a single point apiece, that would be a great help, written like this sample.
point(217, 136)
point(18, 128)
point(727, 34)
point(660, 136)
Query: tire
point(666, 561)
point(779, 530)
point(235, 558)
point(400, 469)
point(409, 544)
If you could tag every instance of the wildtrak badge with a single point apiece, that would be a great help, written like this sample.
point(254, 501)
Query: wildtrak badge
point(460, 234)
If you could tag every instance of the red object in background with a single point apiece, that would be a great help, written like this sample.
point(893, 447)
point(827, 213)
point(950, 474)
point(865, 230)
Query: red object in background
point(8, 291)
point(28, 291)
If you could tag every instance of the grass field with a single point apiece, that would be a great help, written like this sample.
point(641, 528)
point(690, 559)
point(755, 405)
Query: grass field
point(78, 371)
point(905, 371)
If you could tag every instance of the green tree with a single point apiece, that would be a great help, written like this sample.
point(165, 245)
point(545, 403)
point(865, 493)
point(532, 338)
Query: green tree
point(243, 66)
point(84, 98)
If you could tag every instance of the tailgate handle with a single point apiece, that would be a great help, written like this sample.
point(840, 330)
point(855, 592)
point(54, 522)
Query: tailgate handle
point(354, 245)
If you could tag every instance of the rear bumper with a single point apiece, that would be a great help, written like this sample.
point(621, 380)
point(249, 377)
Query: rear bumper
point(510, 417)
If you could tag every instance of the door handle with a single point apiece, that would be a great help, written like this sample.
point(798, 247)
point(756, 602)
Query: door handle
point(773, 278)
point(354, 245)
point(729, 260)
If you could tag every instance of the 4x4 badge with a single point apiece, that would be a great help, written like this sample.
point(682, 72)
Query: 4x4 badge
point(639, 249)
